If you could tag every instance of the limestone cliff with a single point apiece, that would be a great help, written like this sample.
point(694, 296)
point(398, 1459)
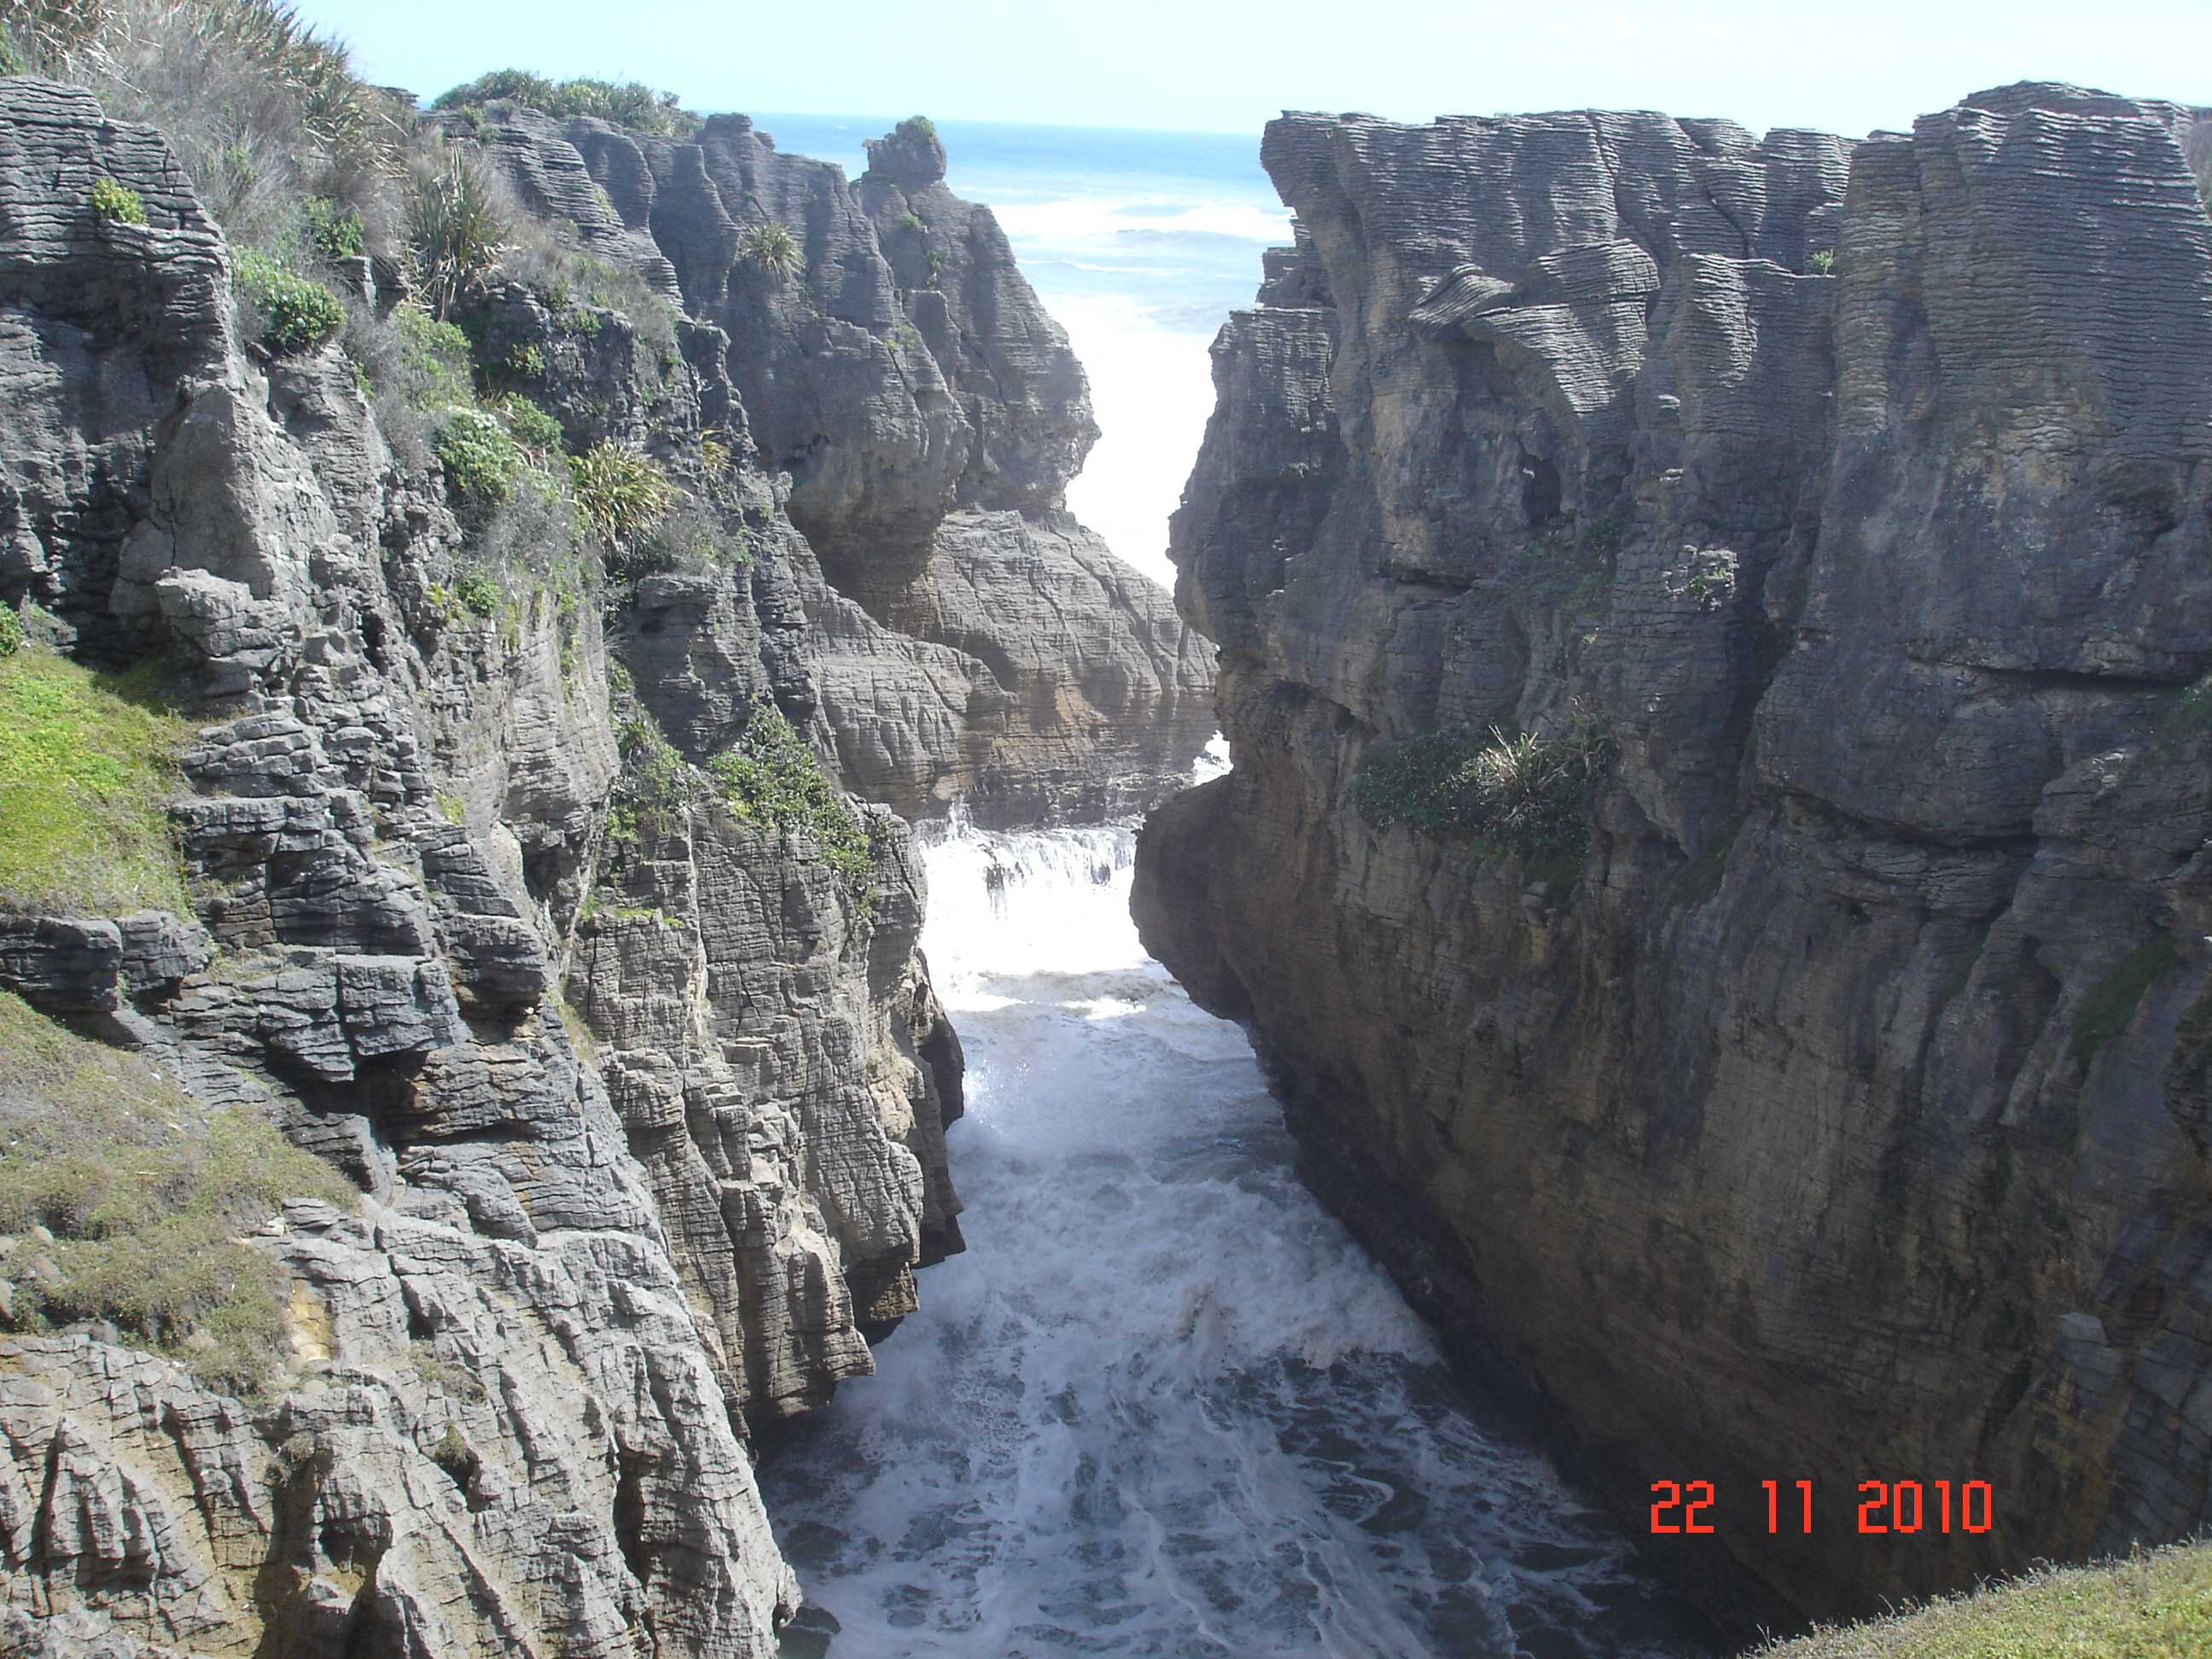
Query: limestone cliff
point(970, 638)
point(1840, 1112)
point(641, 1076)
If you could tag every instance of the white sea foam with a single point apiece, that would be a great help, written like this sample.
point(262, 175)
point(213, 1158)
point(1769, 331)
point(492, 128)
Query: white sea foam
point(1102, 220)
point(1152, 389)
point(1164, 1406)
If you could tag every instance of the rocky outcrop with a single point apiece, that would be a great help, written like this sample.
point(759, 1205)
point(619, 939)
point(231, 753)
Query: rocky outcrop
point(1840, 1115)
point(928, 415)
point(647, 1122)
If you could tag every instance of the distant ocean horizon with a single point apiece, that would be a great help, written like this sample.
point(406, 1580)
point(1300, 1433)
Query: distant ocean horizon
point(1139, 243)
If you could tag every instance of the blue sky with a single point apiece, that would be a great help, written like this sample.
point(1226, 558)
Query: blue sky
point(1847, 66)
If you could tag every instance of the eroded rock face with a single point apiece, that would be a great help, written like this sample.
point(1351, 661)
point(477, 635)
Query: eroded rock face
point(928, 414)
point(514, 1416)
point(1841, 1115)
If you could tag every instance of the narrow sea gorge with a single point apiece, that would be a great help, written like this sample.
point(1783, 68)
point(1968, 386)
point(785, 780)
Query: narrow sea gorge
point(1163, 1404)
point(586, 668)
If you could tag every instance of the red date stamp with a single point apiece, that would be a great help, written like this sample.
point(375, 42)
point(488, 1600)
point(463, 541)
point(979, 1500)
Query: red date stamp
point(1883, 1506)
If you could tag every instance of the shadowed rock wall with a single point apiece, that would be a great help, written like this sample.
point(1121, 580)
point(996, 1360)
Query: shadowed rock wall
point(1842, 1114)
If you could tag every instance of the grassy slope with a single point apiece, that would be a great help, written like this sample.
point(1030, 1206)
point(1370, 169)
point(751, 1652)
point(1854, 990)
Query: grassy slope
point(143, 1191)
point(2153, 1605)
point(87, 761)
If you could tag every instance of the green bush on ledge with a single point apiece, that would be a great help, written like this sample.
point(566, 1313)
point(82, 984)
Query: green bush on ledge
point(117, 205)
point(294, 313)
point(772, 777)
point(1523, 793)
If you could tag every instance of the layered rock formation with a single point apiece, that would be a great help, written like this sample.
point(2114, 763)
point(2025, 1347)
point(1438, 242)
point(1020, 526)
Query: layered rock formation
point(644, 1091)
point(1841, 1115)
point(929, 414)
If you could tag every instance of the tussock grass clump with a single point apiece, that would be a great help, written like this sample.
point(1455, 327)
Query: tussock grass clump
point(457, 226)
point(2154, 1605)
point(622, 493)
point(773, 249)
point(145, 1192)
point(263, 108)
point(772, 777)
point(1512, 792)
point(86, 760)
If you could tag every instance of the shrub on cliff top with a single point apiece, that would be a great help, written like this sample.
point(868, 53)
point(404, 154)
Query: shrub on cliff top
point(628, 104)
point(145, 1191)
point(1509, 792)
point(262, 109)
point(285, 311)
point(771, 777)
point(86, 760)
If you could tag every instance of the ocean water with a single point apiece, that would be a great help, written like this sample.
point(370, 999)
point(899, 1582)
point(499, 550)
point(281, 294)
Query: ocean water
point(1163, 1404)
point(1139, 244)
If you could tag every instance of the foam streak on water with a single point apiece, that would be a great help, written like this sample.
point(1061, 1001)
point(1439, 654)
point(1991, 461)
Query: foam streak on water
point(1163, 1405)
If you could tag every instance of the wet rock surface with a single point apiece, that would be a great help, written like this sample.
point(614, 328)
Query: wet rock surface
point(1837, 1114)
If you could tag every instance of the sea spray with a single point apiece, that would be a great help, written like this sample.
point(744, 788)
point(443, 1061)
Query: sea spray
point(1163, 1405)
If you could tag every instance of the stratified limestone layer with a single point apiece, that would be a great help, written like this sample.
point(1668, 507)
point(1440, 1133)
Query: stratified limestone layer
point(974, 640)
point(512, 1416)
point(1842, 1114)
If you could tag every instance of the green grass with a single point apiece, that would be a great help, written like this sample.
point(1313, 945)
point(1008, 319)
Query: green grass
point(86, 762)
point(2111, 1004)
point(2151, 1605)
point(772, 777)
point(144, 1190)
point(1505, 792)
